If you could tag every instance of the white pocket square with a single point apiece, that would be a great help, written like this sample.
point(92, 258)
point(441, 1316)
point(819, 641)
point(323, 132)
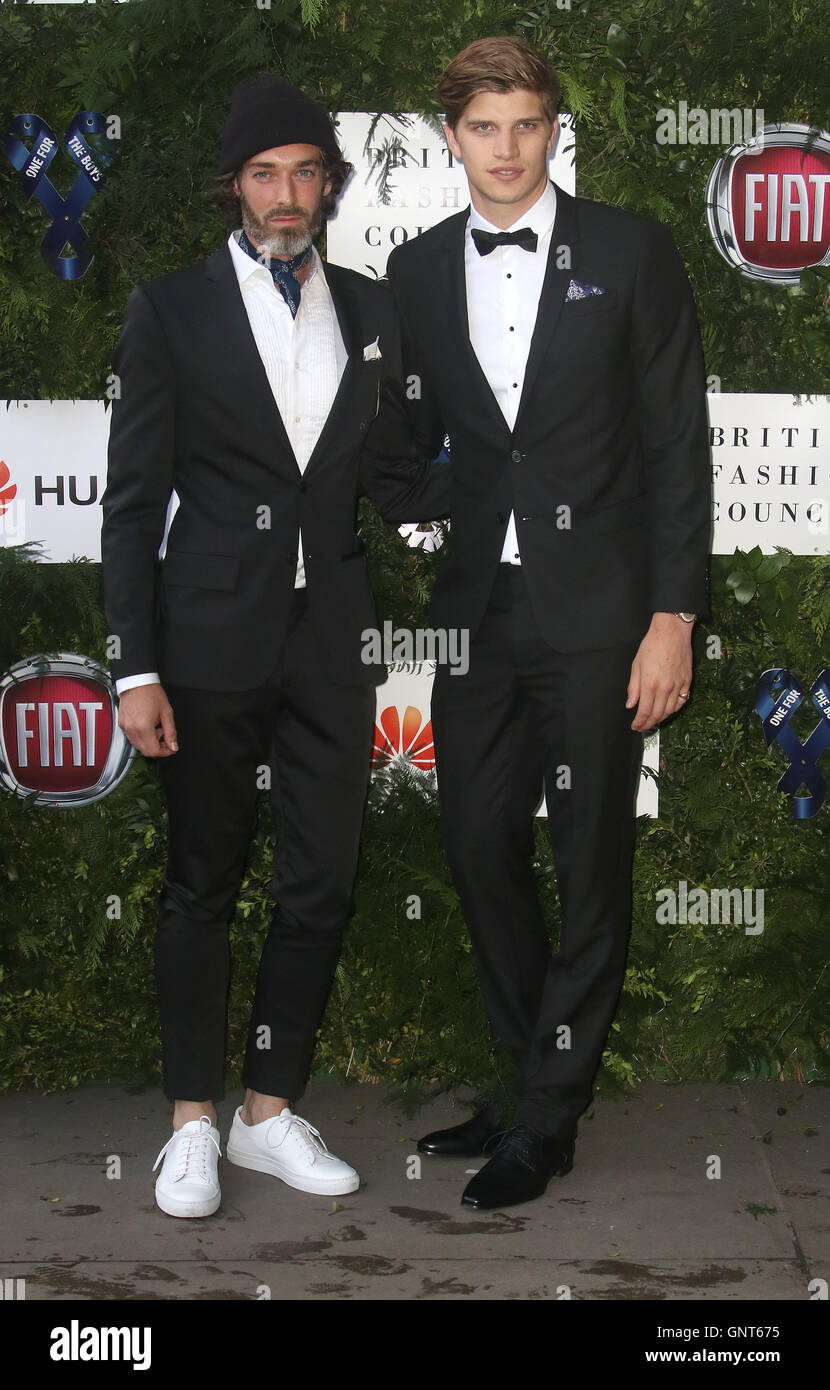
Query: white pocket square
point(371, 353)
point(576, 290)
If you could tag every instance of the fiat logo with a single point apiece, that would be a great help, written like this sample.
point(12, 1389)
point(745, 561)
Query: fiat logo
point(60, 743)
point(768, 204)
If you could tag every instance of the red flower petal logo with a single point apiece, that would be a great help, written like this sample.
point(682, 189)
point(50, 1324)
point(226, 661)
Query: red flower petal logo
point(7, 494)
point(411, 743)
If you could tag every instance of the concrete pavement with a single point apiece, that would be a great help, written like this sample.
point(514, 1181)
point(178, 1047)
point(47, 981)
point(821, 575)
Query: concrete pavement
point(637, 1218)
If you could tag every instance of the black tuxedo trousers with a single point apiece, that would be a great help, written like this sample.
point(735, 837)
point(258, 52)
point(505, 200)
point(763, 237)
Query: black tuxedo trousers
point(524, 718)
point(314, 738)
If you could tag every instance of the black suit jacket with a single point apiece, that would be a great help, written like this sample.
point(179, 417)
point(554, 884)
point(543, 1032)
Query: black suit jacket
point(196, 413)
point(607, 467)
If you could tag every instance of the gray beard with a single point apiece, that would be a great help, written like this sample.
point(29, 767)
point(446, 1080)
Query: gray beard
point(285, 243)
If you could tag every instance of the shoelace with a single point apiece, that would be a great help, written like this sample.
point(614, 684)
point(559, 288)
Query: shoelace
point(311, 1136)
point(522, 1145)
point(192, 1153)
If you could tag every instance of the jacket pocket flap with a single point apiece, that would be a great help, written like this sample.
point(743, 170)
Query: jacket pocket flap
point(188, 568)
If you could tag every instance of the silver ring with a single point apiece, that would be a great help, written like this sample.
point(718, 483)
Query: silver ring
point(683, 694)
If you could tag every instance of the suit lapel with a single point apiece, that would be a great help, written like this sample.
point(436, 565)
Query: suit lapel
point(233, 329)
point(454, 291)
point(563, 247)
point(349, 319)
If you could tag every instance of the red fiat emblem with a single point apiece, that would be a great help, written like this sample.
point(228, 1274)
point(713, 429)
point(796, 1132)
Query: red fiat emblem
point(59, 737)
point(768, 203)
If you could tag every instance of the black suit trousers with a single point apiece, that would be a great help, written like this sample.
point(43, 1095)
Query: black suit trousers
point(524, 718)
point(314, 738)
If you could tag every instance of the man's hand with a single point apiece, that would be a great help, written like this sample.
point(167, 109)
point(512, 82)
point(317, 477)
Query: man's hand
point(146, 717)
point(661, 670)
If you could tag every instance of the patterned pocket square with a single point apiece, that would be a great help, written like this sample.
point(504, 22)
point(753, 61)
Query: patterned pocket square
point(579, 291)
point(372, 353)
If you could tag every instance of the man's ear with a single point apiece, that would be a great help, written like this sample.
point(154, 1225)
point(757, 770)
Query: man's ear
point(454, 147)
point(236, 186)
point(553, 135)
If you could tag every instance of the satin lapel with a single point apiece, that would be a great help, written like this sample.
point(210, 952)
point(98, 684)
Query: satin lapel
point(348, 317)
point(563, 247)
point(234, 332)
point(454, 290)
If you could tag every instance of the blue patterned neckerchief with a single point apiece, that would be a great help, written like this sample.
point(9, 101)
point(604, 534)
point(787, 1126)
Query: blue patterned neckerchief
point(284, 273)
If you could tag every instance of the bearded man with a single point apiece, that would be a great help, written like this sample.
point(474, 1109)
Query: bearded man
point(237, 588)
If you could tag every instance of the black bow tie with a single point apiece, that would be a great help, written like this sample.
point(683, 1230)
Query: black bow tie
point(488, 241)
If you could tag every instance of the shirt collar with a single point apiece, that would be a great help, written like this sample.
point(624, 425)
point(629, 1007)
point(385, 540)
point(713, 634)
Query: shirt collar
point(539, 218)
point(245, 265)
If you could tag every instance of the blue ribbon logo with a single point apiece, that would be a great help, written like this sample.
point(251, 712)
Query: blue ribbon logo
point(779, 696)
point(66, 213)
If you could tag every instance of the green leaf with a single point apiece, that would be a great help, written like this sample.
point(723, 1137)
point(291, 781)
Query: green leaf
point(770, 566)
point(746, 590)
point(736, 578)
point(619, 44)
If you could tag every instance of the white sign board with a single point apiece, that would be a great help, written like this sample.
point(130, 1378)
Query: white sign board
point(53, 470)
point(771, 473)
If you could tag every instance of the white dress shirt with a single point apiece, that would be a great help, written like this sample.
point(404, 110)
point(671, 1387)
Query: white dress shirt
point(304, 359)
point(503, 290)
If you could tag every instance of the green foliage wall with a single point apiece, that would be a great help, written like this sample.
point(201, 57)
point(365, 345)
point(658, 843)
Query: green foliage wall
point(700, 1002)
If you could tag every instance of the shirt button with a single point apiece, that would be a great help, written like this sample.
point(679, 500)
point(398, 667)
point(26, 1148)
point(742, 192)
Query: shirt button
point(297, 419)
point(509, 276)
point(516, 456)
point(511, 329)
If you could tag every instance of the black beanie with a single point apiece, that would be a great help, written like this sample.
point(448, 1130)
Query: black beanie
point(265, 111)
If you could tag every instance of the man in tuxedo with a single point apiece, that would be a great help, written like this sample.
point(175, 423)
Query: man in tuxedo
point(237, 589)
point(557, 346)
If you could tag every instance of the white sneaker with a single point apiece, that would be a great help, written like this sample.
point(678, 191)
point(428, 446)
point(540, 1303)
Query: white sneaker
point(188, 1184)
point(290, 1148)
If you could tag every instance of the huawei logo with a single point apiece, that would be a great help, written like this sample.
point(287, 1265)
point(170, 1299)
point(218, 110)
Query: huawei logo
point(7, 494)
point(410, 742)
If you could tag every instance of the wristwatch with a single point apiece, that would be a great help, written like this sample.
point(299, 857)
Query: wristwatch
point(687, 617)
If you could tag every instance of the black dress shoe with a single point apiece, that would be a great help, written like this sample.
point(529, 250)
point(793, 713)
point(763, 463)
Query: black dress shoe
point(476, 1136)
point(520, 1169)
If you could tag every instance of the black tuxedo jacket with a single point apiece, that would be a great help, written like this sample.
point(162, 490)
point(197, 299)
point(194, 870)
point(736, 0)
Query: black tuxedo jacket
point(196, 413)
point(607, 468)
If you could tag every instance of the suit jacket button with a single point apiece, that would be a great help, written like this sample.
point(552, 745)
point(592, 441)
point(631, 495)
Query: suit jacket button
point(500, 517)
point(303, 485)
point(516, 456)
